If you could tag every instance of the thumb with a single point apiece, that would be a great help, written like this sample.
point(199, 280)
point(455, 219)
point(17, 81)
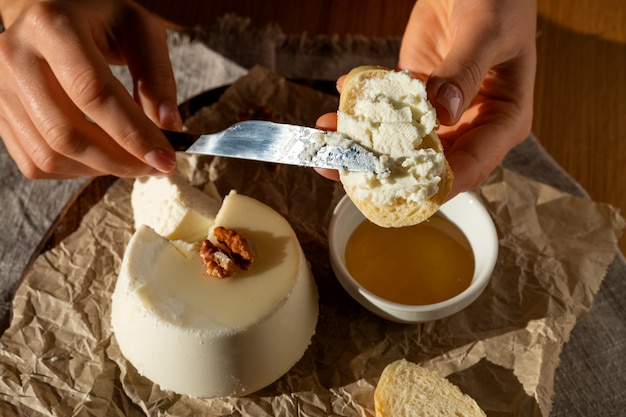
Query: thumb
point(456, 80)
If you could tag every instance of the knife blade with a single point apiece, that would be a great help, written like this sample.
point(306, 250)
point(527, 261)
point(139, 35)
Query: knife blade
point(280, 143)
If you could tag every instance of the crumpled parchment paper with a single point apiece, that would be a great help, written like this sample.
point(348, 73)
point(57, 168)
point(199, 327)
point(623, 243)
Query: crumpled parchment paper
point(60, 358)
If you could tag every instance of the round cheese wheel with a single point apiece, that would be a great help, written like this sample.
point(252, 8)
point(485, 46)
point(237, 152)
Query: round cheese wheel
point(204, 336)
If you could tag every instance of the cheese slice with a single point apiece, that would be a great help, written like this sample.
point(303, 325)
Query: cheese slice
point(205, 336)
point(173, 207)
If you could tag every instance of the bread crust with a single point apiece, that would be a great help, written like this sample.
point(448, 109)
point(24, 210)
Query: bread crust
point(406, 389)
point(402, 212)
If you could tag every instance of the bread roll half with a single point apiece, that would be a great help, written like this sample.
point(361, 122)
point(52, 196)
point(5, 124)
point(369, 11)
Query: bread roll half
point(406, 389)
point(388, 112)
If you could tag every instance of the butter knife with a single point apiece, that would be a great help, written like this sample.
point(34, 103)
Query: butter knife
point(280, 143)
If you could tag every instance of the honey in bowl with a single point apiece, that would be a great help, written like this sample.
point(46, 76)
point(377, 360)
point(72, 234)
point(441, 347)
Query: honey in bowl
point(416, 265)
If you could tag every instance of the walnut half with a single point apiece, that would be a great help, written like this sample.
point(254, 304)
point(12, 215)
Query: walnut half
point(216, 261)
point(237, 245)
point(222, 262)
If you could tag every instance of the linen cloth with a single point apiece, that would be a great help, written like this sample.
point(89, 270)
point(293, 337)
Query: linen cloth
point(590, 379)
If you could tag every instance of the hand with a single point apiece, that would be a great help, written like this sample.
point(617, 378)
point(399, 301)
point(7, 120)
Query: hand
point(478, 60)
point(62, 113)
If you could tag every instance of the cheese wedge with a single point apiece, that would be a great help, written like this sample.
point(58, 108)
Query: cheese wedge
point(173, 207)
point(204, 336)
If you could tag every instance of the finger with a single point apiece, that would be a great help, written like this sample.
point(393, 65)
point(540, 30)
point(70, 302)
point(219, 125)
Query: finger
point(34, 159)
point(475, 154)
point(62, 126)
point(339, 83)
point(456, 80)
point(87, 80)
point(327, 121)
point(331, 174)
point(145, 49)
point(31, 152)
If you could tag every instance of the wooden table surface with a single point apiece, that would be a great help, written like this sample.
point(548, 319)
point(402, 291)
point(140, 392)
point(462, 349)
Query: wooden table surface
point(580, 97)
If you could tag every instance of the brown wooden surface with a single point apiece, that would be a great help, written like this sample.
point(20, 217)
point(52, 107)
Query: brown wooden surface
point(580, 94)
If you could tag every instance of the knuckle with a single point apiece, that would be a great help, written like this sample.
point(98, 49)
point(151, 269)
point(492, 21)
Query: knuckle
point(125, 171)
point(14, 58)
point(63, 139)
point(50, 164)
point(132, 170)
point(45, 19)
point(473, 72)
point(48, 15)
point(88, 89)
point(42, 163)
point(30, 170)
point(131, 139)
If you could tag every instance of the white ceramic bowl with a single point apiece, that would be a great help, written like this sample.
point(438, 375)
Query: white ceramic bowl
point(466, 212)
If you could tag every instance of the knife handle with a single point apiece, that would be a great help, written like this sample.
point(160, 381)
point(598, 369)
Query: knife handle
point(180, 141)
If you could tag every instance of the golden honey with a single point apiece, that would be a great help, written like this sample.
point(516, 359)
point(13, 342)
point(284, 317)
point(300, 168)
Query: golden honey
point(416, 265)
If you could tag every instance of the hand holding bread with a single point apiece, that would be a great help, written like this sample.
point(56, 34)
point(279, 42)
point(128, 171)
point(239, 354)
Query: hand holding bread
point(478, 60)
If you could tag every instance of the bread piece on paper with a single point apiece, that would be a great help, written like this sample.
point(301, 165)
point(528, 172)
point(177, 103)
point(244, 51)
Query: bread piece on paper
point(406, 389)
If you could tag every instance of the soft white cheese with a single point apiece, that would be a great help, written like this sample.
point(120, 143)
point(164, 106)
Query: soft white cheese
point(174, 208)
point(204, 336)
point(391, 116)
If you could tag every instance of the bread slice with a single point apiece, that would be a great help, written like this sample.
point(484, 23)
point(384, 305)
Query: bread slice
point(397, 211)
point(406, 389)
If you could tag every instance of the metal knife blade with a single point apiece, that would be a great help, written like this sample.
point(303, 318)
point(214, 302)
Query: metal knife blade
point(279, 143)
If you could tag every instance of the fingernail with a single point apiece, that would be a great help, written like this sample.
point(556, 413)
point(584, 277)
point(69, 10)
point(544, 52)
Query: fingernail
point(169, 116)
point(451, 98)
point(156, 173)
point(161, 160)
